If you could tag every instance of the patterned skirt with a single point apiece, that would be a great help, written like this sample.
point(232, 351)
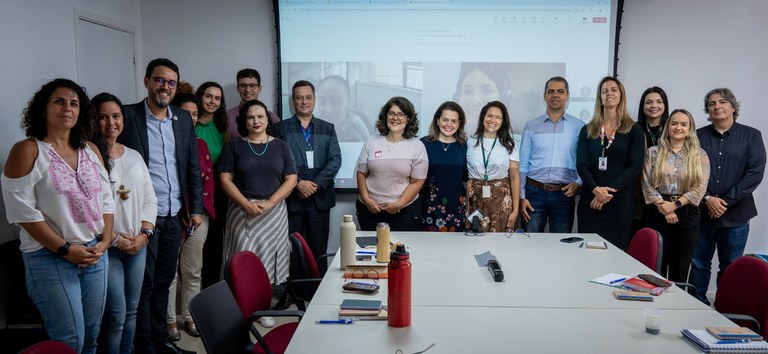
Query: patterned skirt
point(266, 235)
point(496, 209)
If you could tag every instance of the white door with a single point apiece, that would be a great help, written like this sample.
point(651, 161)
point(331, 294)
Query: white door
point(105, 58)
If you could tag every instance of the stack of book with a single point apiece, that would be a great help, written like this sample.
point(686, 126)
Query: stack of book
point(728, 340)
point(363, 309)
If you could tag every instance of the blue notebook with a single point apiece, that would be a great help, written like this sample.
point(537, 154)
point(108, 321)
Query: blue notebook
point(356, 304)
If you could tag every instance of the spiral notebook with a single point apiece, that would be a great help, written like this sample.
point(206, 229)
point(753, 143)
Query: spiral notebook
point(707, 343)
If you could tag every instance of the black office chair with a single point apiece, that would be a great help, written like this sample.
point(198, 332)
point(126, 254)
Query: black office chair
point(219, 320)
point(306, 272)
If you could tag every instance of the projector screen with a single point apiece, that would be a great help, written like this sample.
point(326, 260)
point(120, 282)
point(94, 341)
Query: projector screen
point(360, 53)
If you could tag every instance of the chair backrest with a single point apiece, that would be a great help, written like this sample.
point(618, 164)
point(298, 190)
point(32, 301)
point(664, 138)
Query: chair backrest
point(49, 347)
point(303, 263)
point(743, 289)
point(218, 319)
point(647, 247)
point(249, 283)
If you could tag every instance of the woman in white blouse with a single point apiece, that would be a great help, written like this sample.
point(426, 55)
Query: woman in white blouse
point(56, 188)
point(493, 162)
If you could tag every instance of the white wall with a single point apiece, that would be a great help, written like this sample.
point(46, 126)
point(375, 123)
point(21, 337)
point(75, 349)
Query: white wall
point(38, 44)
point(690, 47)
point(211, 41)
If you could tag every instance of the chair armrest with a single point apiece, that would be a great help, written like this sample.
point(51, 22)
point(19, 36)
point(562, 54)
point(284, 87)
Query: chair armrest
point(304, 289)
point(276, 313)
point(754, 324)
point(688, 287)
point(324, 258)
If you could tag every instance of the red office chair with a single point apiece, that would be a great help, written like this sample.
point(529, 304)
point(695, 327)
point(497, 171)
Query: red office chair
point(647, 246)
point(742, 294)
point(251, 287)
point(305, 273)
point(49, 347)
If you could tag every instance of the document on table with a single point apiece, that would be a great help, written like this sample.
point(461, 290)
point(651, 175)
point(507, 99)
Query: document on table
point(612, 279)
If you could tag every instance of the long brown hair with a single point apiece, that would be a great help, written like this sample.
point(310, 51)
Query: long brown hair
point(598, 119)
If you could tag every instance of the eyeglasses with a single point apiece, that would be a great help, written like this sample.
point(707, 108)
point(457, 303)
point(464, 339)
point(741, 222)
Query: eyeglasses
point(399, 115)
point(160, 82)
point(247, 86)
point(366, 274)
point(509, 233)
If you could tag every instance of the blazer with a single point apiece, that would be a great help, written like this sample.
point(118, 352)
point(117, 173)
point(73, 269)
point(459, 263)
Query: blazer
point(327, 160)
point(188, 164)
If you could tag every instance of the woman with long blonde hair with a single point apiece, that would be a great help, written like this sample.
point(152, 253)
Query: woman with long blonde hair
point(675, 177)
point(609, 158)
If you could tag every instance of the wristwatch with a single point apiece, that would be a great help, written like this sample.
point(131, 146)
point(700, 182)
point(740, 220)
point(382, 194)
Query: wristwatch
point(678, 204)
point(147, 232)
point(63, 250)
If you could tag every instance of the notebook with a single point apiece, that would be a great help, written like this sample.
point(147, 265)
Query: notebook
point(638, 284)
point(610, 279)
point(733, 333)
point(707, 343)
point(632, 295)
point(357, 304)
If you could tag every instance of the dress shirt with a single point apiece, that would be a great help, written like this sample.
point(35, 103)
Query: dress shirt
point(548, 151)
point(674, 172)
point(162, 155)
point(737, 162)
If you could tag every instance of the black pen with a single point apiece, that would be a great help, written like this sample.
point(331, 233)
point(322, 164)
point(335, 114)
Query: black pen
point(581, 245)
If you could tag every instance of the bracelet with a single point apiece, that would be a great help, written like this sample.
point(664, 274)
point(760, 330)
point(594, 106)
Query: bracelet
point(115, 240)
point(146, 238)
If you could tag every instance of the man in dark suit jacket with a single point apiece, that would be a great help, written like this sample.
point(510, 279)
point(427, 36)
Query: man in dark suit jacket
point(316, 150)
point(165, 137)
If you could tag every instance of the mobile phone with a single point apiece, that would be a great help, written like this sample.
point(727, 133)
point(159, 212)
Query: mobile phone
point(365, 288)
point(655, 280)
point(190, 229)
point(571, 239)
point(495, 269)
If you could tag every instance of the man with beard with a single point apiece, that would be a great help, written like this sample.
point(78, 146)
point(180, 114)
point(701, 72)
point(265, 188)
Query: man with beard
point(165, 137)
point(548, 177)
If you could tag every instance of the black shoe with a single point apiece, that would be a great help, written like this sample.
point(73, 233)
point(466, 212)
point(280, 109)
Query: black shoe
point(174, 334)
point(171, 348)
point(285, 302)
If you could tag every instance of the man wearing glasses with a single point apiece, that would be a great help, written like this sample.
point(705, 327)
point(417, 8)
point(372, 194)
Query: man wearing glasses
point(249, 88)
point(165, 138)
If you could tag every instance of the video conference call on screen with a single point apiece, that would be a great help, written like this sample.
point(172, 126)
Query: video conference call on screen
point(358, 54)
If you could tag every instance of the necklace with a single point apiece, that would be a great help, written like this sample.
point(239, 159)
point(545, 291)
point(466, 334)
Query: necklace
point(445, 146)
point(122, 191)
point(610, 138)
point(654, 136)
point(254, 151)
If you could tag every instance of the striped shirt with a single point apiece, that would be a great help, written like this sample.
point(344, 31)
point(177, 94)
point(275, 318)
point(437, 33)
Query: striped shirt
point(390, 166)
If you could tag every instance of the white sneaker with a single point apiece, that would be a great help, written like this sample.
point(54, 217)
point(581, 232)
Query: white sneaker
point(266, 321)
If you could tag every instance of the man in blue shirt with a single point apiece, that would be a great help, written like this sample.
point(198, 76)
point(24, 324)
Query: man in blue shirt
point(737, 162)
point(548, 177)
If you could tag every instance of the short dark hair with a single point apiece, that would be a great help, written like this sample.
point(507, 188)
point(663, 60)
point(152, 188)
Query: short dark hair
point(182, 98)
point(557, 79)
point(411, 125)
point(728, 95)
point(162, 62)
point(302, 83)
point(248, 72)
point(243, 115)
point(33, 120)
point(97, 137)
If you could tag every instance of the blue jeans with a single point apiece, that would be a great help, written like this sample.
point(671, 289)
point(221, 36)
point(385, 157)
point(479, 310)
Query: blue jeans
point(553, 207)
point(730, 243)
point(70, 300)
point(126, 274)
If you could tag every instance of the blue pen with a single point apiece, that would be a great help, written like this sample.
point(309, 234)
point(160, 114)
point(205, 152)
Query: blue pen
point(366, 252)
point(732, 341)
point(617, 280)
point(339, 321)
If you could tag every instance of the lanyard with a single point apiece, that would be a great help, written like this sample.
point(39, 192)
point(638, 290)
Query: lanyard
point(487, 159)
point(307, 133)
point(610, 139)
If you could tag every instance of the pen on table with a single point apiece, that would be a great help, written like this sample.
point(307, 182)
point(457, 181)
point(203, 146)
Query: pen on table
point(581, 245)
point(605, 245)
point(732, 341)
point(617, 280)
point(366, 252)
point(339, 321)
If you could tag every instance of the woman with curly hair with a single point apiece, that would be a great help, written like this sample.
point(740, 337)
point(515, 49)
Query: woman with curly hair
point(56, 188)
point(391, 170)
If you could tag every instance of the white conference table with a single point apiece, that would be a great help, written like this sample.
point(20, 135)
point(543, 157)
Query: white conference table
point(545, 304)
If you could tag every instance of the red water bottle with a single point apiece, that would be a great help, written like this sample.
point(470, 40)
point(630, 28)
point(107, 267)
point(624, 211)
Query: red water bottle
point(399, 292)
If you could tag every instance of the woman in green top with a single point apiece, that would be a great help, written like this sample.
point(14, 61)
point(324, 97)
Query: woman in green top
point(212, 122)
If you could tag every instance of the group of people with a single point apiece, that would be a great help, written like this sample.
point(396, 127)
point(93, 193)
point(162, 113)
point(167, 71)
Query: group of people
point(170, 187)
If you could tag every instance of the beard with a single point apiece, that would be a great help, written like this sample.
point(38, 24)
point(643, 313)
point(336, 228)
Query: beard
point(162, 103)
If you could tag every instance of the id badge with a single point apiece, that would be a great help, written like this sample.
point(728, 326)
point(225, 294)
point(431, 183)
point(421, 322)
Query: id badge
point(310, 159)
point(602, 163)
point(486, 191)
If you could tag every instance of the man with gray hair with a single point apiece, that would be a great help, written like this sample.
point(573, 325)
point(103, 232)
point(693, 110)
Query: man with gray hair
point(737, 162)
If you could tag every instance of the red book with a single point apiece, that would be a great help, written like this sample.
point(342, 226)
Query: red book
point(638, 284)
